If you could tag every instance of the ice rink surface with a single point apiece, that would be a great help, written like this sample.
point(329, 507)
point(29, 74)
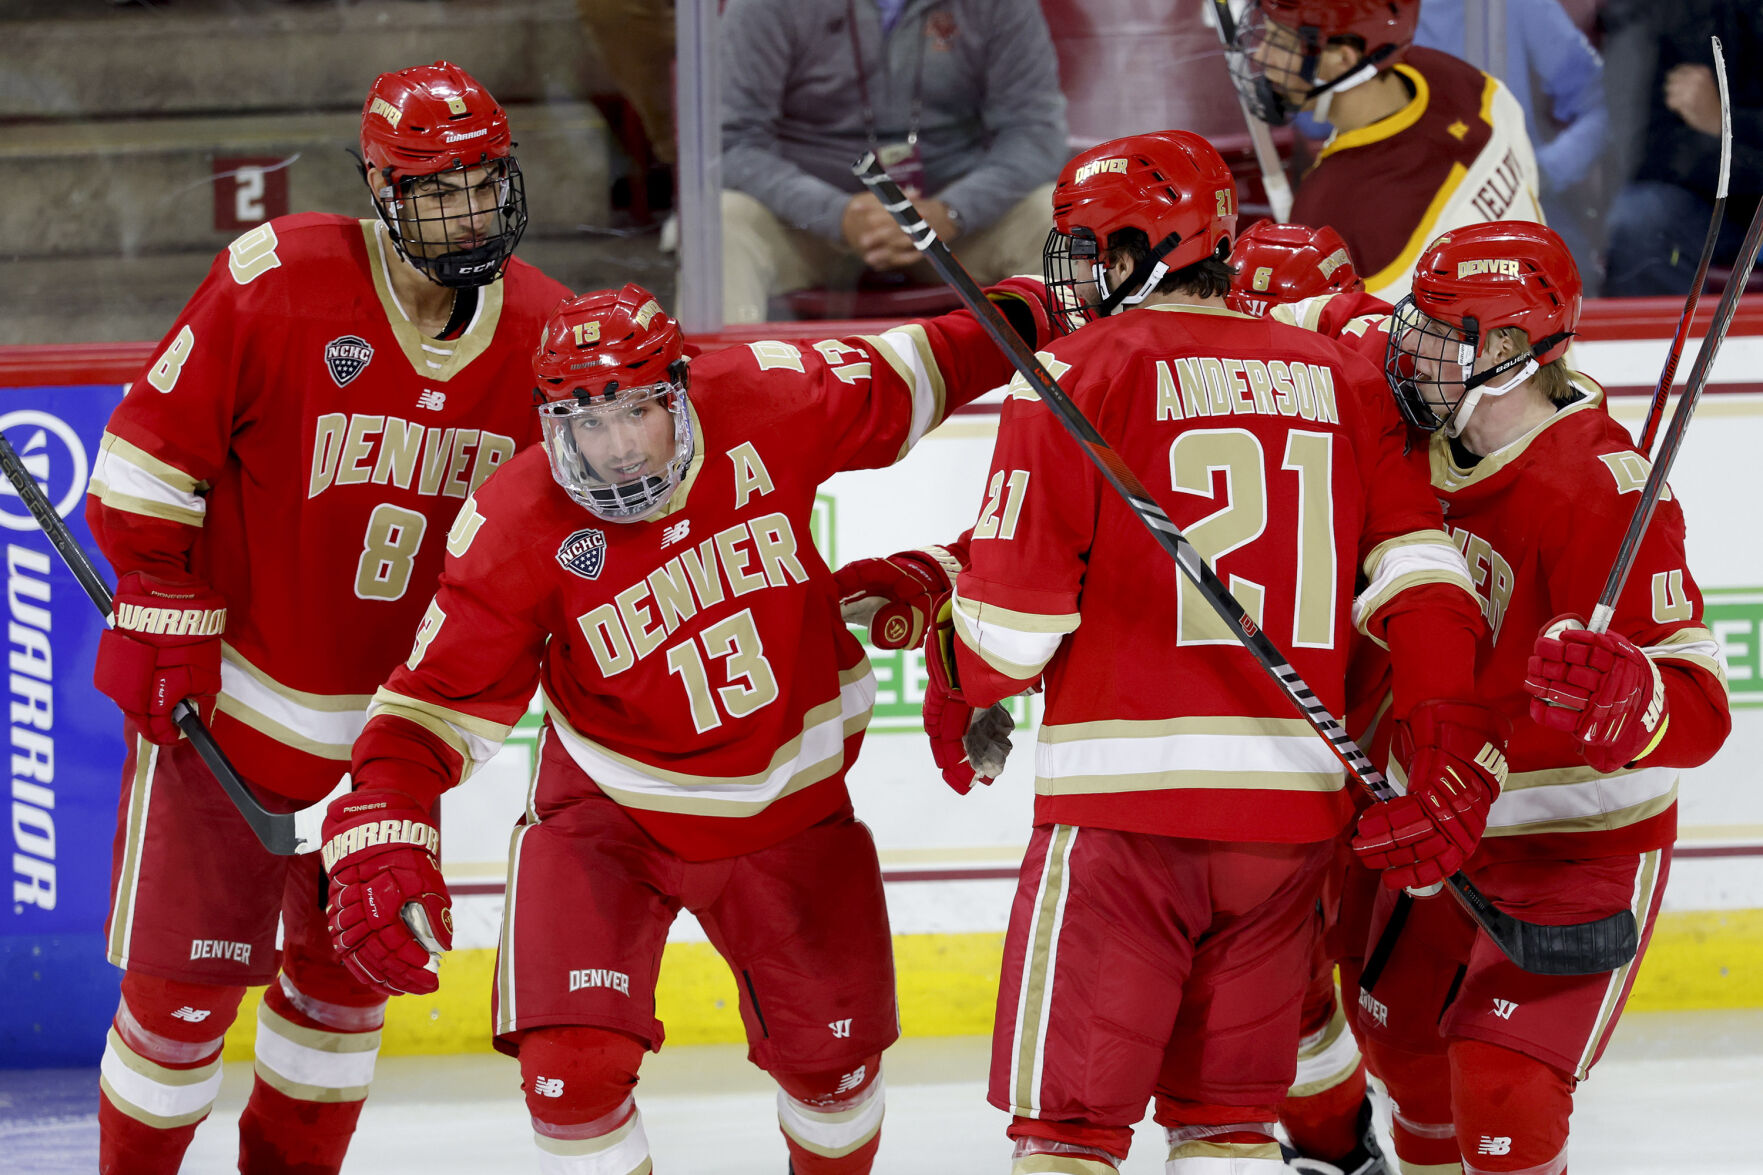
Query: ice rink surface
point(1678, 1092)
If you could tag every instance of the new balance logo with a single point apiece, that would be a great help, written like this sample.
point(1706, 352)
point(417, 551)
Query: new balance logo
point(851, 1081)
point(841, 1028)
point(191, 1015)
point(676, 532)
point(1375, 1008)
point(548, 1086)
point(1494, 1146)
point(432, 400)
point(1504, 1009)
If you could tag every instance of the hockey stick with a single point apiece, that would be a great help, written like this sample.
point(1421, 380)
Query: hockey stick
point(1581, 949)
point(1656, 411)
point(1686, 404)
point(1273, 172)
point(276, 830)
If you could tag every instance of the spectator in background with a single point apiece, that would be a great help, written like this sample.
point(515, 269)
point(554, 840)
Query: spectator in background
point(1546, 52)
point(1669, 139)
point(959, 98)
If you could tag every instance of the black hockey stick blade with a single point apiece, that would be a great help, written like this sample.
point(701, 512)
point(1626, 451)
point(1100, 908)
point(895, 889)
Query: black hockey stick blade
point(1661, 392)
point(1580, 948)
point(276, 830)
point(1511, 935)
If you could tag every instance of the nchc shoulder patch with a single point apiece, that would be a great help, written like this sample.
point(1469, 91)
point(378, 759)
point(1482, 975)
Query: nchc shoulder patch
point(583, 553)
point(347, 357)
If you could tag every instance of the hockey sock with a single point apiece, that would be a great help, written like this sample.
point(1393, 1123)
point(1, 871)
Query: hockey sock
point(832, 1121)
point(1511, 1110)
point(1321, 1113)
point(160, 1072)
point(1210, 1139)
point(1074, 1142)
point(315, 1059)
point(580, 1087)
point(1420, 1087)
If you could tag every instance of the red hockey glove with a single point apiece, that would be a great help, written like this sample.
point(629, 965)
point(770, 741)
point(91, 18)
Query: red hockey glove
point(1456, 767)
point(164, 649)
point(969, 745)
point(1598, 687)
point(894, 596)
point(1027, 304)
point(387, 895)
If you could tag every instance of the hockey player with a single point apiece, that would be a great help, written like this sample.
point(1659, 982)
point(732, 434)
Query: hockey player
point(1538, 484)
point(280, 481)
point(651, 571)
point(1183, 814)
point(1439, 142)
point(1305, 276)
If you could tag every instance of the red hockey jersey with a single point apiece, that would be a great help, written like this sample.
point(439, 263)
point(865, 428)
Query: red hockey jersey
point(1279, 455)
point(1356, 320)
point(694, 664)
point(299, 445)
point(1539, 523)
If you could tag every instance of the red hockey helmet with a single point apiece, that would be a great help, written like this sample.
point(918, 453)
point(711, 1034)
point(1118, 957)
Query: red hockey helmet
point(1469, 283)
point(1275, 48)
point(1280, 263)
point(1170, 185)
point(440, 168)
point(611, 390)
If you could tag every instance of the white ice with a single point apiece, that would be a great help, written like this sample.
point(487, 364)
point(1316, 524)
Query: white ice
point(1679, 1092)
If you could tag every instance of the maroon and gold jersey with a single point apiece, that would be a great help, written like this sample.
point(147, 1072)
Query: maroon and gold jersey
point(1539, 523)
point(1457, 153)
point(693, 664)
point(1279, 455)
point(298, 444)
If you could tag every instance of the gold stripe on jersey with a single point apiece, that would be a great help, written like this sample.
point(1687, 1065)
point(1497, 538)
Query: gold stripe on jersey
point(1448, 475)
point(1693, 646)
point(908, 352)
point(507, 1014)
point(323, 725)
point(435, 359)
point(1407, 561)
point(128, 877)
point(127, 477)
point(1214, 753)
point(1645, 883)
point(1016, 644)
point(1390, 125)
point(814, 754)
point(475, 740)
point(1575, 799)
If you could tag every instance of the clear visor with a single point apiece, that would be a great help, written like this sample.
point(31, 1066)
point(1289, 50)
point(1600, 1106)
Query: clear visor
point(620, 458)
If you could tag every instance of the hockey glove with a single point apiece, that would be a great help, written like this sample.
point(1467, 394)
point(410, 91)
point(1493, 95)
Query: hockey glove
point(1456, 767)
point(969, 745)
point(165, 649)
point(1028, 306)
point(894, 596)
point(1598, 687)
point(390, 915)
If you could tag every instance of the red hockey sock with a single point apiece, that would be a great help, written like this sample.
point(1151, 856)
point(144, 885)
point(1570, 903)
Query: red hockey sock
point(314, 1061)
point(160, 1072)
point(1325, 1125)
point(1511, 1110)
point(1108, 1143)
point(831, 1122)
point(1420, 1085)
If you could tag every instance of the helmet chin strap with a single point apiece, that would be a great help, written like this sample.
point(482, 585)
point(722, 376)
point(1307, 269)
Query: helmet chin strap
point(1521, 366)
point(1323, 95)
point(1127, 295)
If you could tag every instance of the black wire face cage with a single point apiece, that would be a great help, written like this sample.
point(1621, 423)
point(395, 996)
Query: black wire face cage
point(1078, 299)
point(1272, 67)
point(458, 227)
point(1420, 343)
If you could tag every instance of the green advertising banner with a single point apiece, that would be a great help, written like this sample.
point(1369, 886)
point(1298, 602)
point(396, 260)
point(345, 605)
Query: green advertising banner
point(1735, 617)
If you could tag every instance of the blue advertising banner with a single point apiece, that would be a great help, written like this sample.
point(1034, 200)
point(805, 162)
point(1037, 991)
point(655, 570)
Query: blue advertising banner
point(57, 992)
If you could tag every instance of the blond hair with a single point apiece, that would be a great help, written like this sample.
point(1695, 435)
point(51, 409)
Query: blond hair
point(1552, 378)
